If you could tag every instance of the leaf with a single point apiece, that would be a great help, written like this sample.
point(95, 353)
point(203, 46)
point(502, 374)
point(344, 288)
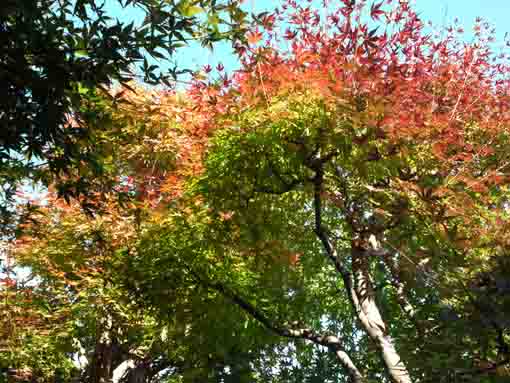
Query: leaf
point(254, 37)
point(191, 11)
point(376, 12)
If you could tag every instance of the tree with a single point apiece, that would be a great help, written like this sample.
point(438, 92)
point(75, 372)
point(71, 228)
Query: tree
point(78, 302)
point(59, 57)
point(76, 317)
point(346, 197)
point(389, 151)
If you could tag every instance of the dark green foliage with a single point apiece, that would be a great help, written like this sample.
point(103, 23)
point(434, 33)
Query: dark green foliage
point(57, 53)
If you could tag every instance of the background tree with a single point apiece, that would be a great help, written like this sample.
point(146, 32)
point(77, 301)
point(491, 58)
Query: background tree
point(59, 56)
point(76, 316)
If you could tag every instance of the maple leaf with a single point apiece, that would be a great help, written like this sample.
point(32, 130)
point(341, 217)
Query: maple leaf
point(289, 34)
point(254, 37)
point(403, 140)
point(375, 11)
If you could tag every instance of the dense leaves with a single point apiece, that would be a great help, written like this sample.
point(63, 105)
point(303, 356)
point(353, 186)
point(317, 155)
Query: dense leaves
point(58, 57)
point(337, 210)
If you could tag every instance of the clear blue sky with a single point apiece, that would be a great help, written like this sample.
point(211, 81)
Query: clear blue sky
point(440, 12)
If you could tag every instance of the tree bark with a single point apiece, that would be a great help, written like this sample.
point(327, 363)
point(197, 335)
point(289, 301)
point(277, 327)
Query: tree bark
point(359, 285)
point(363, 298)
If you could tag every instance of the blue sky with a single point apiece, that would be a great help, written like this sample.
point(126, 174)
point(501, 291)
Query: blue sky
point(496, 11)
point(440, 12)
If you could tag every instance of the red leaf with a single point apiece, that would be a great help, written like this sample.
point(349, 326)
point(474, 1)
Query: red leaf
point(289, 35)
point(376, 12)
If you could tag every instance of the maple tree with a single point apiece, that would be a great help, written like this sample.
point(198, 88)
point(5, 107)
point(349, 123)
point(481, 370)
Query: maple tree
point(342, 199)
point(77, 321)
point(77, 301)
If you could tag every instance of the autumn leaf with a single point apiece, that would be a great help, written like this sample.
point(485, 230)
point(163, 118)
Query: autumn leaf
point(254, 37)
point(375, 11)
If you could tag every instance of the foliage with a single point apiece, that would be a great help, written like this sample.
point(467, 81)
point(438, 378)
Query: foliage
point(81, 307)
point(58, 57)
point(335, 211)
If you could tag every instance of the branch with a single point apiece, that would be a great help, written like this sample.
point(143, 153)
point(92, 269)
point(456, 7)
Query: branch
point(360, 296)
point(404, 303)
point(286, 188)
point(322, 232)
point(316, 161)
point(485, 370)
point(302, 333)
point(332, 342)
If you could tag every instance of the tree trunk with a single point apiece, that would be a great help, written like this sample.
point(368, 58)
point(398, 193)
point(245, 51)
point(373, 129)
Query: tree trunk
point(363, 298)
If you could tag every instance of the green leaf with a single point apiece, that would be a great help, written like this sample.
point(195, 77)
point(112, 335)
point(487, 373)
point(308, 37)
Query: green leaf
point(192, 11)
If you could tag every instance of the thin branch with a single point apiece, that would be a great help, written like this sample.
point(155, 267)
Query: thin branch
point(321, 231)
point(332, 342)
point(287, 186)
point(404, 303)
point(486, 370)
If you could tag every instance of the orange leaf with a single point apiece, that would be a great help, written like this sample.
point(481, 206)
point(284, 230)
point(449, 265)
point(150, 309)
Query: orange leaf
point(254, 37)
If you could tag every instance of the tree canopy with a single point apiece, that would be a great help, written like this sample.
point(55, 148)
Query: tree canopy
point(58, 57)
point(336, 210)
